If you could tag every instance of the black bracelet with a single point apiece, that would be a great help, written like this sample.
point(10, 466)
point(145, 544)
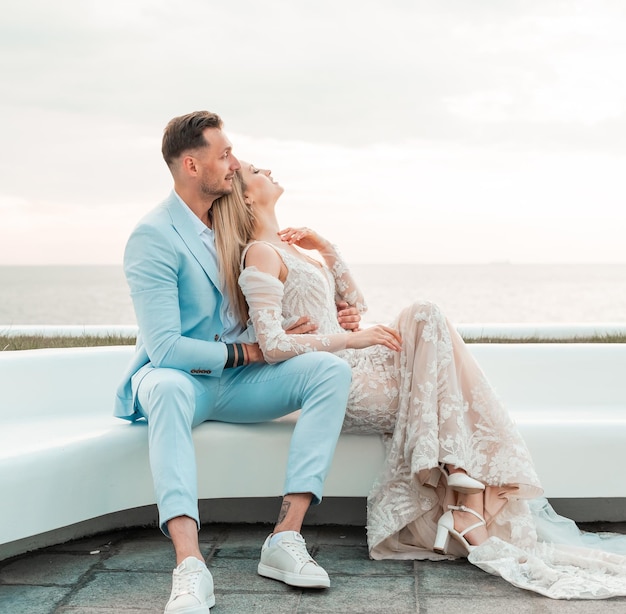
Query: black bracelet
point(240, 355)
point(230, 361)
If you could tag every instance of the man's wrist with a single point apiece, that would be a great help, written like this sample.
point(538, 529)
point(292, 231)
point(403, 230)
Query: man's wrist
point(240, 355)
point(236, 355)
point(230, 356)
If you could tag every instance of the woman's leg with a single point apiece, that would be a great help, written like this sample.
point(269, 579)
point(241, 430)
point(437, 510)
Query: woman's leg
point(462, 519)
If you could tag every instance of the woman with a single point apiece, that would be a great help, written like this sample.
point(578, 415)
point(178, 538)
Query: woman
point(456, 466)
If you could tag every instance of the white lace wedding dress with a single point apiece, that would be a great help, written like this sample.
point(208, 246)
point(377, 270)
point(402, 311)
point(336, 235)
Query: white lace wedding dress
point(432, 404)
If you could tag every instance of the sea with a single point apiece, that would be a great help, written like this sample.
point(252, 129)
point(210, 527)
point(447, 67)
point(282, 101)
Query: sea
point(467, 293)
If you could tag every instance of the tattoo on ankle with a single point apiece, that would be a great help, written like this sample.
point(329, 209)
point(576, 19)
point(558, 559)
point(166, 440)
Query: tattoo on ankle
point(284, 509)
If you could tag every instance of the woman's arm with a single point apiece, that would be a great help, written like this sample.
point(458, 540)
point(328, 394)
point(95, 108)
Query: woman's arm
point(261, 285)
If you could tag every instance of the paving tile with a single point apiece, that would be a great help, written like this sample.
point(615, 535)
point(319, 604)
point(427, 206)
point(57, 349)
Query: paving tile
point(237, 551)
point(529, 603)
point(146, 555)
point(231, 575)
point(47, 568)
point(355, 561)
point(257, 603)
point(18, 599)
point(459, 578)
point(142, 555)
point(252, 535)
point(102, 610)
point(120, 591)
point(132, 575)
point(102, 542)
point(371, 595)
point(603, 606)
point(340, 536)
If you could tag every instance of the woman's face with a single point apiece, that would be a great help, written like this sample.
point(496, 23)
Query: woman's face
point(260, 187)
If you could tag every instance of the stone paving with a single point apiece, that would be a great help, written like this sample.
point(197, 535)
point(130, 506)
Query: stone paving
point(129, 571)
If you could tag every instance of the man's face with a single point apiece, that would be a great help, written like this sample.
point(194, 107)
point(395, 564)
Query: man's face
point(215, 164)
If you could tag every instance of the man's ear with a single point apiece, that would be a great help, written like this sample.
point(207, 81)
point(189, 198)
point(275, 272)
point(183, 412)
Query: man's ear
point(188, 165)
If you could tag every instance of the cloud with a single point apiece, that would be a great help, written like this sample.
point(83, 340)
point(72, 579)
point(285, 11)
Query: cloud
point(420, 110)
point(349, 72)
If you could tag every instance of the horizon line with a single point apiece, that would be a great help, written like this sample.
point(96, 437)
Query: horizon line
point(361, 263)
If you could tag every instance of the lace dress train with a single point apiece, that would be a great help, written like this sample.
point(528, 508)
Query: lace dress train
point(432, 404)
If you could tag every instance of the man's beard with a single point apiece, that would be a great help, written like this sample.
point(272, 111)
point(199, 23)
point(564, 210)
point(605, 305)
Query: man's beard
point(213, 190)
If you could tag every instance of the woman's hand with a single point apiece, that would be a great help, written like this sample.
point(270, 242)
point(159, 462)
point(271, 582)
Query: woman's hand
point(375, 335)
point(304, 238)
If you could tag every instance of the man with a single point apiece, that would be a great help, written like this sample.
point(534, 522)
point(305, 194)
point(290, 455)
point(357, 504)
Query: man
point(188, 368)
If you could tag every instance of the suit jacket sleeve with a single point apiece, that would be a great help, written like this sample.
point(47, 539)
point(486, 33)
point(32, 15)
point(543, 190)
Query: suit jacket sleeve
point(160, 283)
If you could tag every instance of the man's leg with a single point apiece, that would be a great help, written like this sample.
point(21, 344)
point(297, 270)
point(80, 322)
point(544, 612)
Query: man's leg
point(318, 384)
point(183, 531)
point(292, 511)
point(168, 400)
point(173, 402)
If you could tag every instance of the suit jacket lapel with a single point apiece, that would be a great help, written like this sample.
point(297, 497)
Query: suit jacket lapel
point(188, 233)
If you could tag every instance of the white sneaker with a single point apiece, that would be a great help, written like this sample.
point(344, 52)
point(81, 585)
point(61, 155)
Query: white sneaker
point(289, 561)
point(192, 589)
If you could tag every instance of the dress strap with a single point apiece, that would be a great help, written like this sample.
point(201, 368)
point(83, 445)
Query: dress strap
point(244, 252)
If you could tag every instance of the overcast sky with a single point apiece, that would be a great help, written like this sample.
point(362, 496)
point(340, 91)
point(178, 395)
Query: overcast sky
point(404, 130)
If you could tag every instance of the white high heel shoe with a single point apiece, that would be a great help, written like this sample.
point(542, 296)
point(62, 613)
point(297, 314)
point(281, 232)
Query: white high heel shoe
point(461, 482)
point(445, 529)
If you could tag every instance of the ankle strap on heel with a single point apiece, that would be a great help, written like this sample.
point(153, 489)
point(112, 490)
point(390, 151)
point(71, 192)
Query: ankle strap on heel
point(461, 508)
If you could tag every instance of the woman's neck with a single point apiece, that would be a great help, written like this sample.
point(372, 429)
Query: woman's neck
point(266, 226)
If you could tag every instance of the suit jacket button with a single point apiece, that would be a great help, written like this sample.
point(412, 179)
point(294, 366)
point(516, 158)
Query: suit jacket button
point(216, 337)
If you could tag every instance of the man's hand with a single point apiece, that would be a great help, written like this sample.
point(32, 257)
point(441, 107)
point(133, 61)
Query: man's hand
point(348, 317)
point(302, 326)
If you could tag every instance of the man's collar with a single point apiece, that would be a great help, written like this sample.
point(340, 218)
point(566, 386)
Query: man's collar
point(198, 224)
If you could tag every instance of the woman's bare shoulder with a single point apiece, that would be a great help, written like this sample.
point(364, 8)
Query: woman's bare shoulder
point(264, 257)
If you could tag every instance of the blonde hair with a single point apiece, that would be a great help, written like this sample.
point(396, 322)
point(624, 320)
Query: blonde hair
point(234, 226)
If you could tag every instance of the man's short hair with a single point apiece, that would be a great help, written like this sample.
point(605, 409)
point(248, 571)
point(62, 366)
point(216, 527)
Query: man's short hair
point(185, 132)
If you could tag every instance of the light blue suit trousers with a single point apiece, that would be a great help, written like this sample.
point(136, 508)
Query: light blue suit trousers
point(176, 378)
point(174, 402)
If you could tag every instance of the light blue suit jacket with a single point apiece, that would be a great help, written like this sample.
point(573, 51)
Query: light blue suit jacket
point(174, 285)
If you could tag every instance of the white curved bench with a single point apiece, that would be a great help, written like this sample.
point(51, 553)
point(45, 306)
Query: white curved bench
point(64, 459)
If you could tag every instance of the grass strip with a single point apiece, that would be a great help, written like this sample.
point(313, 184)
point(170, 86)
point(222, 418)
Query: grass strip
point(608, 338)
point(34, 342)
